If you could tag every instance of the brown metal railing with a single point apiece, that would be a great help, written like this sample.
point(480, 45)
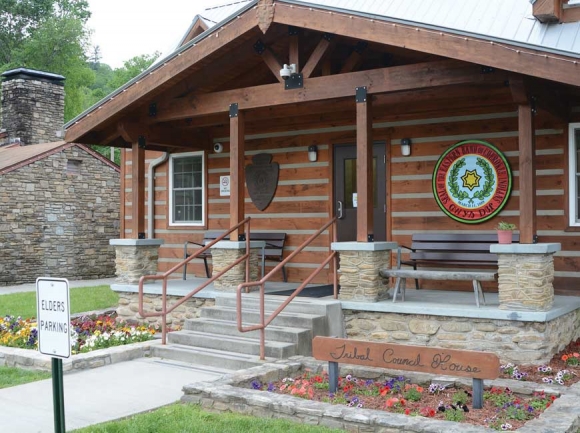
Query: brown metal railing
point(164, 309)
point(264, 322)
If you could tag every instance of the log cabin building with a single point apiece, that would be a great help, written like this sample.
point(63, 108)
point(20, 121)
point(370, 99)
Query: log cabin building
point(356, 103)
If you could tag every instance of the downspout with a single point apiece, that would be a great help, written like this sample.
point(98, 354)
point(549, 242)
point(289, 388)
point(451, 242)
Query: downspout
point(151, 194)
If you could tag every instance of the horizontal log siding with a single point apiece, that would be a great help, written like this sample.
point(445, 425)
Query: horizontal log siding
point(302, 201)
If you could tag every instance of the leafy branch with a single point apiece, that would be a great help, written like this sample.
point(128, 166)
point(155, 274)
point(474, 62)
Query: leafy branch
point(489, 180)
point(453, 185)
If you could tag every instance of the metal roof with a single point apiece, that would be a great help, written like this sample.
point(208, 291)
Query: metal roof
point(510, 21)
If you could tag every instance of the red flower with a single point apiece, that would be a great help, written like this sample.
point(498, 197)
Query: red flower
point(552, 397)
point(407, 411)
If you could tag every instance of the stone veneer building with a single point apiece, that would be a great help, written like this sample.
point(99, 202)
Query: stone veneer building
point(59, 202)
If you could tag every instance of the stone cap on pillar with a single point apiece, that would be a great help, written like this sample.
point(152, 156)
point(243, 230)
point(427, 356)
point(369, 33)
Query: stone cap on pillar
point(363, 246)
point(136, 242)
point(525, 248)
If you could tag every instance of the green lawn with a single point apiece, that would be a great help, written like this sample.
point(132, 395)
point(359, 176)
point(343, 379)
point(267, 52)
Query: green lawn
point(182, 418)
point(82, 299)
point(11, 376)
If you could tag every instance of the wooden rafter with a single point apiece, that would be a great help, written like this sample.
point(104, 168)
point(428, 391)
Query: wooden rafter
point(149, 83)
point(269, 59)
point(354, 59)
point(319, 52)
point(471, 49)
point(392, 79)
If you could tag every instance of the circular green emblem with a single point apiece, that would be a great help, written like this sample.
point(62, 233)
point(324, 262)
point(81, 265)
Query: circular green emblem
point(472, 181)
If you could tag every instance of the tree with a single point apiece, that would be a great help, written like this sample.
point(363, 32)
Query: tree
point(53, 40)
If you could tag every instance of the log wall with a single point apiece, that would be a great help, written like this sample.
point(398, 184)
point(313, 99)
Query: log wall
point(303, 200)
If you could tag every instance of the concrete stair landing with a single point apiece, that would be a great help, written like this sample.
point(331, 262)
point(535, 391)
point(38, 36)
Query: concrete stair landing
point(214, 340)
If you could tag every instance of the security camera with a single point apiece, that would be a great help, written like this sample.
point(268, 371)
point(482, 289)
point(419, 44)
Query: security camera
point(287, 71)
point(218, 148)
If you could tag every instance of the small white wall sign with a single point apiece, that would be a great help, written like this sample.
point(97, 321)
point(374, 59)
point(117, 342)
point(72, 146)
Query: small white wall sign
point(224, 186)
point(53, 317)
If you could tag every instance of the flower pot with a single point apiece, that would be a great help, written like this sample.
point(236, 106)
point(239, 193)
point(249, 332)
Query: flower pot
point(504, 236)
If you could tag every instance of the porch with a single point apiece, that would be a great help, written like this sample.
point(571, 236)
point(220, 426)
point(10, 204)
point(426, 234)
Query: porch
point(431, 318)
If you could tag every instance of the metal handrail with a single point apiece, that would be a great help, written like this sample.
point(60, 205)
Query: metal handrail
point(164, 310)
point(264, 322)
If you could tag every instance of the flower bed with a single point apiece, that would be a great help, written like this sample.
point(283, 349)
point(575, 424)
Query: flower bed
point(503, 409)
point(87, 333)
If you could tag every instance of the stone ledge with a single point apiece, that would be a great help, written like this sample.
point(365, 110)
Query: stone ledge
point(363, 246)
point(525, 248)
point(32, 359)
point(135, 242)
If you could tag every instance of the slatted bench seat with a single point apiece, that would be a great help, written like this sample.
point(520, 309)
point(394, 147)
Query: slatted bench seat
point(274, 249)
point(457, 251)
point(476, 277)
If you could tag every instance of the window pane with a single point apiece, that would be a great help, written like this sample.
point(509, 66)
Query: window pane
point(349, 182)
point(188, 189)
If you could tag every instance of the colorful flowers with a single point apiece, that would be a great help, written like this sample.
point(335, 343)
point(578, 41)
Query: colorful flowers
point(571, 358)
point(16, 332)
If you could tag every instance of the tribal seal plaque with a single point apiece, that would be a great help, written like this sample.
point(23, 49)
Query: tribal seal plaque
point(472, 181)
point(262, 179)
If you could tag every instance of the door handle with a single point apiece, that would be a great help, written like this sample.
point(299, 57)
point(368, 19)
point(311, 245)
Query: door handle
point(339, 211)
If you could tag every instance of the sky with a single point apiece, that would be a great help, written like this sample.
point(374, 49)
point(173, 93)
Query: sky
point(127, 28)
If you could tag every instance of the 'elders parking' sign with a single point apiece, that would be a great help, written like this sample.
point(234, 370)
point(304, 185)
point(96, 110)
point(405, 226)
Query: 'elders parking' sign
point(53, 316)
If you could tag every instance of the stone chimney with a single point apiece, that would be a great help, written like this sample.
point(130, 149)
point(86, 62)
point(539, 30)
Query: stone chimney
point(32, 106)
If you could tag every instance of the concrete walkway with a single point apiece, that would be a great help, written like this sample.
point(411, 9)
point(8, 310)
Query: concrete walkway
point(100, 395)
point(31, 287)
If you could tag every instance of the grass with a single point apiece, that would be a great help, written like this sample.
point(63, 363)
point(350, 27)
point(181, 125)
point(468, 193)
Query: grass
point(81, 299)
point(184, 418)
point(11, 376)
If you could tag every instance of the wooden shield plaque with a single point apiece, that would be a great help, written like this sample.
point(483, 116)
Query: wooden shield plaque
point(262, 179)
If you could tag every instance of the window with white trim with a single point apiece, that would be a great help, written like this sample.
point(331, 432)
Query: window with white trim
point(186, 189)
point(574, 173)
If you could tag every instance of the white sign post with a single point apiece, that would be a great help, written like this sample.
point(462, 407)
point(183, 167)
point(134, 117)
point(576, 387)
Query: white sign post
point(53, 324)
point(53, 316)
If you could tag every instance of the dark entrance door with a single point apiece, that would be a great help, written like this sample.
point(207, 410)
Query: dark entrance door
point(345, 191)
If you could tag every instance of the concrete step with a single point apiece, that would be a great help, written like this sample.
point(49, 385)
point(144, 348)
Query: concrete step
point(210, 357)
point(302, 338)
point(298, 305)
point(250, 346)
point(318, 324)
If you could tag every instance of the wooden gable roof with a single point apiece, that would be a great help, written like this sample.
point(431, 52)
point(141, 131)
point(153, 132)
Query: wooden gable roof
point(215, 68)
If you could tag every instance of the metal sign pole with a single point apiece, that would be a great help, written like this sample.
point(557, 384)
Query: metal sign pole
point(58, 396)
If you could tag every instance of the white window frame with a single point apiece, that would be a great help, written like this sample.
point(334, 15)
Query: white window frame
point(172, 158)
point(573, 191)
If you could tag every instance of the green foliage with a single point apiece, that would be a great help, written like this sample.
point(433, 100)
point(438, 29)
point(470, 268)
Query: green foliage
point(460, 398)
point(489, 180)
point(502, 225)
point(82, 299)
point(190, 418)
point(11, 376)
point(453, 185)
point(412, 394)
point(456, 415)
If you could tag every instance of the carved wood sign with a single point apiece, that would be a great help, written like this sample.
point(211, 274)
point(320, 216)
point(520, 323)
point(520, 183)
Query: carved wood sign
point(449, 362)
point(262, 179)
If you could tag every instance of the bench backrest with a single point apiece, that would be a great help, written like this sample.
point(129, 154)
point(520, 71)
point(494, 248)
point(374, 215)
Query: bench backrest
point(274, 241)
point(455, 247)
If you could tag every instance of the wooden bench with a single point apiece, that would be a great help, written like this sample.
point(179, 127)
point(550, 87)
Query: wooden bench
point(444, 250)
point(274, 249)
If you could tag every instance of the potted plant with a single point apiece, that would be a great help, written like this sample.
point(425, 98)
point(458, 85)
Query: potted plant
point(505, 232)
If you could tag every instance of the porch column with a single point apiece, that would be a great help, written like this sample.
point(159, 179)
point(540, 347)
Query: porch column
point(527, 150)
point(364, 167)
point(138, 188)
point(237, 174)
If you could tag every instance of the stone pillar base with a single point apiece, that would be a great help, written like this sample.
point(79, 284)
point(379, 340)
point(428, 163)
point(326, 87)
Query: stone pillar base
point(135, 258)
point(224, 253)
point(360, 263)
point(525, 276)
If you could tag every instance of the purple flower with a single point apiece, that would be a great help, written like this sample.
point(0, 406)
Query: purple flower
point(271, 387)
point(256, 384)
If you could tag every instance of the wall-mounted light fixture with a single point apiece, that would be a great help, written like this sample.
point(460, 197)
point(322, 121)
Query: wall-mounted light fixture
point(406, 146)
point(312, 153)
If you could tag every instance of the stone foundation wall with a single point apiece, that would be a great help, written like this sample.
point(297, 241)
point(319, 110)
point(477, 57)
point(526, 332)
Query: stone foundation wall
point(129, 308)
point(223, 257)
point(359, 275)
point(525, 281)
point(518, 342)
point(132, 262)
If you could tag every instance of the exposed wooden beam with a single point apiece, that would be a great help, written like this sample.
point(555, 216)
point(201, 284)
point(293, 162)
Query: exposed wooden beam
point(519, 90)
point(272, 63)
point(354, 59)
point(245, 23)
point(470, 49)
point(398, 78)
point(138, 190)
point(321, 49)
point(294, 47)
point(197, 29)
point(547, 11)
point(527, 150)
point(237, 173)
point(364, 166)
